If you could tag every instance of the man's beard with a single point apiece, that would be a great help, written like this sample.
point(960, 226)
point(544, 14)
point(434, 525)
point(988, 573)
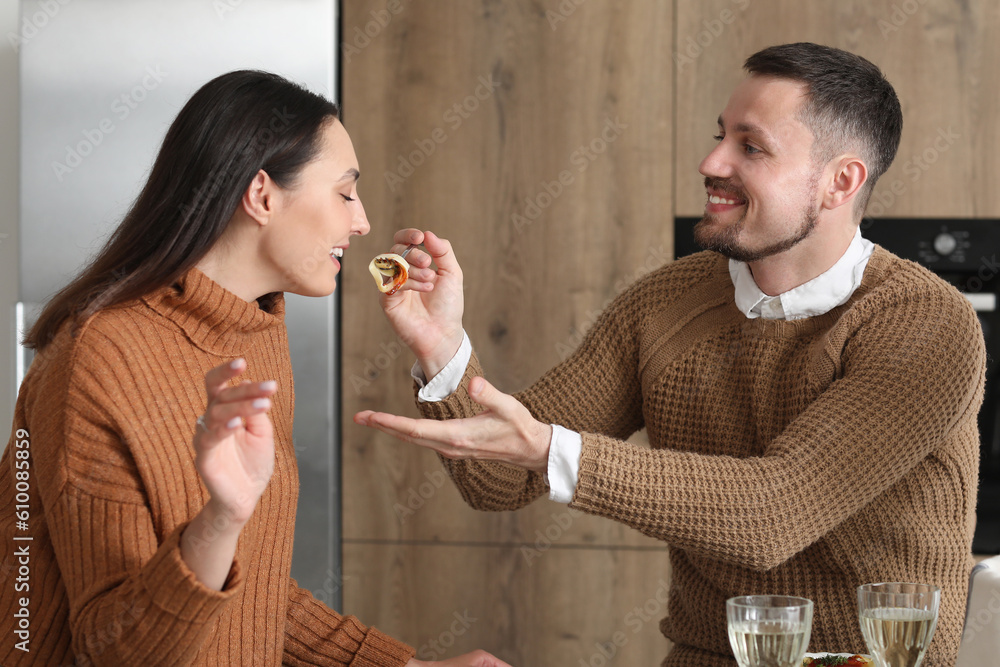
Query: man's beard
point(725, 240)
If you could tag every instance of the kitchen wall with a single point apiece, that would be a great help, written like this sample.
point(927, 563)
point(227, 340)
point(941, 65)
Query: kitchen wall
point(8, 211)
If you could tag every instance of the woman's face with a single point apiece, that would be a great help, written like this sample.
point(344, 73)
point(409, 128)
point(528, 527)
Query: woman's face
point(314, 220)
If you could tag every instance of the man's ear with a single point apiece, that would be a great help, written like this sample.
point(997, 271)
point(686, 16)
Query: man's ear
point(847, 174)
point(260, 198)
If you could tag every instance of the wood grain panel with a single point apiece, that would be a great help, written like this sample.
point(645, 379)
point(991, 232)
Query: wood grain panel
point(585, 94)
point(938, 54)
point(422, 503)
point(559, 608)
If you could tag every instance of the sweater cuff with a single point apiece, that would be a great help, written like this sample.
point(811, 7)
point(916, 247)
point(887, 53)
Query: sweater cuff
point(458, 405)
point(448, 379)
point(593, 479)
point(174, 588)
point(381, 650)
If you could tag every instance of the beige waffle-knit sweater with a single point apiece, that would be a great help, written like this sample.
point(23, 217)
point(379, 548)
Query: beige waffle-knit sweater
point(108, 418)
point(789, 457)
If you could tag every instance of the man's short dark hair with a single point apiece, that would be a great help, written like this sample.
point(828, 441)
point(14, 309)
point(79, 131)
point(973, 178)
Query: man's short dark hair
point(851, 105)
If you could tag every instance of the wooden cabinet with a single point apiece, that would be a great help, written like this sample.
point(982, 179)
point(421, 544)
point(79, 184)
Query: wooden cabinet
point(537, 137)
point(557, 608)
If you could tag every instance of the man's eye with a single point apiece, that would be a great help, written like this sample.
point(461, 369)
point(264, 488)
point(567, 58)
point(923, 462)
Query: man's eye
point(718, 137)
point(751, 150)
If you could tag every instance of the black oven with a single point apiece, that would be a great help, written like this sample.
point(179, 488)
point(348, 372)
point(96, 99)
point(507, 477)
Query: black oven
point(966, 253)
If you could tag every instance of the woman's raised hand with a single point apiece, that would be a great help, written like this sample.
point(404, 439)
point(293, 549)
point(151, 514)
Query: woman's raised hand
point(234, 455)
point(234, 441)
point(427, 312)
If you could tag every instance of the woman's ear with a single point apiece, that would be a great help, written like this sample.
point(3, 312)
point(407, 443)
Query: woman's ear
point(260, 198)
point(849, 174)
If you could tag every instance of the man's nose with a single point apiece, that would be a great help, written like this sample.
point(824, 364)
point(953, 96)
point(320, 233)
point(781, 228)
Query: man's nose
point(717, 163)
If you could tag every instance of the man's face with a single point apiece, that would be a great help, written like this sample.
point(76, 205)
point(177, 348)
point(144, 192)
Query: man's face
point(761, 179)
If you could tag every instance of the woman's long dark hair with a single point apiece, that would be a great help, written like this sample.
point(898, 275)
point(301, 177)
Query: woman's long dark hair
point(234, 126)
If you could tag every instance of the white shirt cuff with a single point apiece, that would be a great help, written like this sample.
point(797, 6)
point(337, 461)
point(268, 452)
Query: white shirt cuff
point(564, 463)
point(446, 382)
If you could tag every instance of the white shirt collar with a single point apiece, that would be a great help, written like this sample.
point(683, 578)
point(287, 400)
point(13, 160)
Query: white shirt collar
point(816, 297)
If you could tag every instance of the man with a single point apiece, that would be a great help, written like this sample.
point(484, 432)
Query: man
point(810, 398)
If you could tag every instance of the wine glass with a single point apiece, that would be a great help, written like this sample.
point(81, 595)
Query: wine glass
point(898, 621)
point(769, 630)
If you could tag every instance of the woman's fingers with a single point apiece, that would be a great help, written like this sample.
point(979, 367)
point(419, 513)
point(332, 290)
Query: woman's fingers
point(230, 406)
point(227, 416)
point(217, 379)
point(247, 390)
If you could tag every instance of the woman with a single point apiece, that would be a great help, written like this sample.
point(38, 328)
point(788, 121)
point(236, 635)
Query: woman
point(148, 492)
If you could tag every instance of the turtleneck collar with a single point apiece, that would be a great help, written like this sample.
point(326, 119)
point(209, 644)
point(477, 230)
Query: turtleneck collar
point(211, 316)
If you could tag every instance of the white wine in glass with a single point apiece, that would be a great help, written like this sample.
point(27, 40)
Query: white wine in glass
point(898, 621)
point(769, 630)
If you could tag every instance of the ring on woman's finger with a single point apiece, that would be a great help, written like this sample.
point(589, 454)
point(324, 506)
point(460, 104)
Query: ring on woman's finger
point(201, 422)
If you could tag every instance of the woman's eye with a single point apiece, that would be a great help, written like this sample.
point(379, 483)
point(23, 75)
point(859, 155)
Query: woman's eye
point(346, 198)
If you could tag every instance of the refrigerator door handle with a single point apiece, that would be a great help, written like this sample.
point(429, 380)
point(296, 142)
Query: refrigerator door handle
point(25, 316)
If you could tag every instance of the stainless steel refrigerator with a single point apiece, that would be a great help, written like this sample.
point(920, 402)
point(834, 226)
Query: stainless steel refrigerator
point(100, 82)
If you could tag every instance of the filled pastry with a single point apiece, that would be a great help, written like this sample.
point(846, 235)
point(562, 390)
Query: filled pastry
point(390, 271)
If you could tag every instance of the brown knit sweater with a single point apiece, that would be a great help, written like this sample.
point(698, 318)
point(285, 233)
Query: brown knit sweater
point(790, 457)
point(109, 418)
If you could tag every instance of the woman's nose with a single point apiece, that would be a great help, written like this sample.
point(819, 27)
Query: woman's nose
point(361, 224)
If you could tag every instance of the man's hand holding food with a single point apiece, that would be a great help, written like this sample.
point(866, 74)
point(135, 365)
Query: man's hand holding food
point(426, 313)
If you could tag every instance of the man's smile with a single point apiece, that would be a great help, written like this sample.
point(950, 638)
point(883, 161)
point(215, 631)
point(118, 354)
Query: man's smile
point(720, 200)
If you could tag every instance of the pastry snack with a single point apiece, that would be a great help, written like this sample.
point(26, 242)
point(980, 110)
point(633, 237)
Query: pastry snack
point(390, 271)
point(837, 660)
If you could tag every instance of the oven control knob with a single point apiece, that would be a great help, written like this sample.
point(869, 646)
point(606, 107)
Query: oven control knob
point(945, 244)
